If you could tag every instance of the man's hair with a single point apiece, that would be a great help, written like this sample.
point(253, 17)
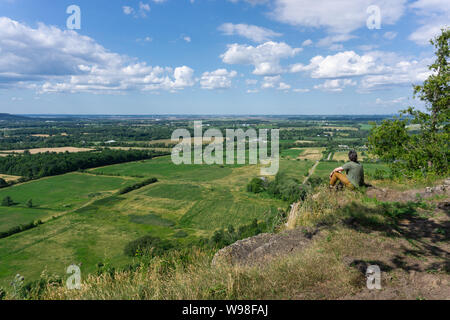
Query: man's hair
point(353, 156)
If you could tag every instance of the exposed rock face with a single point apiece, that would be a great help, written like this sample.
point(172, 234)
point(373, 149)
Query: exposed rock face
point(263, 247)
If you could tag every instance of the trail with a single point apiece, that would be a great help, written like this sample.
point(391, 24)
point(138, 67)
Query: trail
point(294, 207)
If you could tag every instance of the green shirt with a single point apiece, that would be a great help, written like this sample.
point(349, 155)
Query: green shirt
point(355, 173)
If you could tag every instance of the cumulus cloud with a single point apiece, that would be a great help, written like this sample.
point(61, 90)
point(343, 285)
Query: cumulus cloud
point(342, 64)
point(433, 14)
point(219, 79)
point(265, 57)
point(376, 69)
point(335, 85)
point(53, 60)
point(254, 33)
point(337, 16)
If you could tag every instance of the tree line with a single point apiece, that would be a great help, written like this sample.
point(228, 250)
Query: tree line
point(33, 166)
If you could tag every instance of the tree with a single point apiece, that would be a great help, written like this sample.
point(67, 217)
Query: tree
point(3, 183)
point(425, 149)
point(30, 203)
point(7, 201)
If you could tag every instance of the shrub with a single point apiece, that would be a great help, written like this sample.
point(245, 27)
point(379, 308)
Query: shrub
point(7, 201)
point(147, 245)
point(256, 185)
point(138, 185)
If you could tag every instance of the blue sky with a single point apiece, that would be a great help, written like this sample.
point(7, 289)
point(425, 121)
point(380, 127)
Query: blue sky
point(216, 56)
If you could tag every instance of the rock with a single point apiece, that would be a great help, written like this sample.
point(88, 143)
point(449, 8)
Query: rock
point(263, 247)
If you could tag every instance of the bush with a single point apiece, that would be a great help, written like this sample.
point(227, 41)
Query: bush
point(256, 185)
point(147, 245)
point(3, 183)
point(7, 201)
point(138, 185)
point(287, 188)
point(19, 229)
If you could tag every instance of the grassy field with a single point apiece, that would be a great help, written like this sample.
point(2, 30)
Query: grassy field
point(94, 224)
point(188, 202)
point(53, 195)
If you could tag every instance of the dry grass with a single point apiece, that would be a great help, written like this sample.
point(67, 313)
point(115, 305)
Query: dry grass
point(52, 150)
point(8, 178)
point(312, 154)
point(322, 206)
point(316, 273)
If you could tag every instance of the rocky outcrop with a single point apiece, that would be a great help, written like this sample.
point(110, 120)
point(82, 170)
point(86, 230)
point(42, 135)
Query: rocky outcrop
point(409, 195)
point(263, 247)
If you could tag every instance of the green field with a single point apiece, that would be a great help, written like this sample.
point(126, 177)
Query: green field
point(54, 195)
point(94, 224)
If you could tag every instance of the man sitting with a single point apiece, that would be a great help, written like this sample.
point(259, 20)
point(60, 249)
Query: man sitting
point(354, 173)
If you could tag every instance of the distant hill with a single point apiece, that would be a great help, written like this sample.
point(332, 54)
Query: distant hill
point(7, 116)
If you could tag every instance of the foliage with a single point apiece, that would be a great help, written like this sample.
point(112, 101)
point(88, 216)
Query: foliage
point(138, 185)
point(7, 201)
point(256, 185)
point(19, 229)
point(287, 188)
point(427, 150)
point(148, 246)
point(49, 164)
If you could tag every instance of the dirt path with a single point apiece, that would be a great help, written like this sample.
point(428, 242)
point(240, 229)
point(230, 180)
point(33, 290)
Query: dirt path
point(311, 172)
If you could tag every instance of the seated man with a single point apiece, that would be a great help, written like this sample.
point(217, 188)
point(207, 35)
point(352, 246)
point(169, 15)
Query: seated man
point(354, 176)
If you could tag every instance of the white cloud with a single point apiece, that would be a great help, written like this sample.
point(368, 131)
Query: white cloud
point(265, 57)
point(141, 11)
point(252, 2)
point(187, 39)
point(337, 16)
point(390, 102)
point(434, 15)
point(390, 35)
point(219, 79)
point(254, 33)
point(49, 59)
point(307, 42)
point(275, 82)
point(335, 85)
point(378, 69)
point(270, 82)
point(283, 86)
point(342, 64)
point(127, 10)
point(300, 90)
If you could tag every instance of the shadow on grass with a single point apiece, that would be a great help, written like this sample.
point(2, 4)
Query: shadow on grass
point(401, 220)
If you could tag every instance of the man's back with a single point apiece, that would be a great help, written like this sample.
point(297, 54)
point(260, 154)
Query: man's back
point(355, 173)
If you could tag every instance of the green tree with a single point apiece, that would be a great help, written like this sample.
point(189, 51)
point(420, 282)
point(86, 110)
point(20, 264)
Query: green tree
point(3, 183)
point(30, 203)
point(7, 201)
point(425, 149)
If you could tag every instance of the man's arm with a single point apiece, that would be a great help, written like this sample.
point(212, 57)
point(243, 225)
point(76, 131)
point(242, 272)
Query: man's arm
point(340, 169)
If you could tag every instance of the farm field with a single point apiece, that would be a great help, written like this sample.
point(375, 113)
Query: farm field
point(188, 202)
point(54, 195)
point(8, 177)
point(312, 154)
point(43, 150)
point(86, 220)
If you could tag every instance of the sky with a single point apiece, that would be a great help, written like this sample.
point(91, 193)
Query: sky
point(215, 56)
